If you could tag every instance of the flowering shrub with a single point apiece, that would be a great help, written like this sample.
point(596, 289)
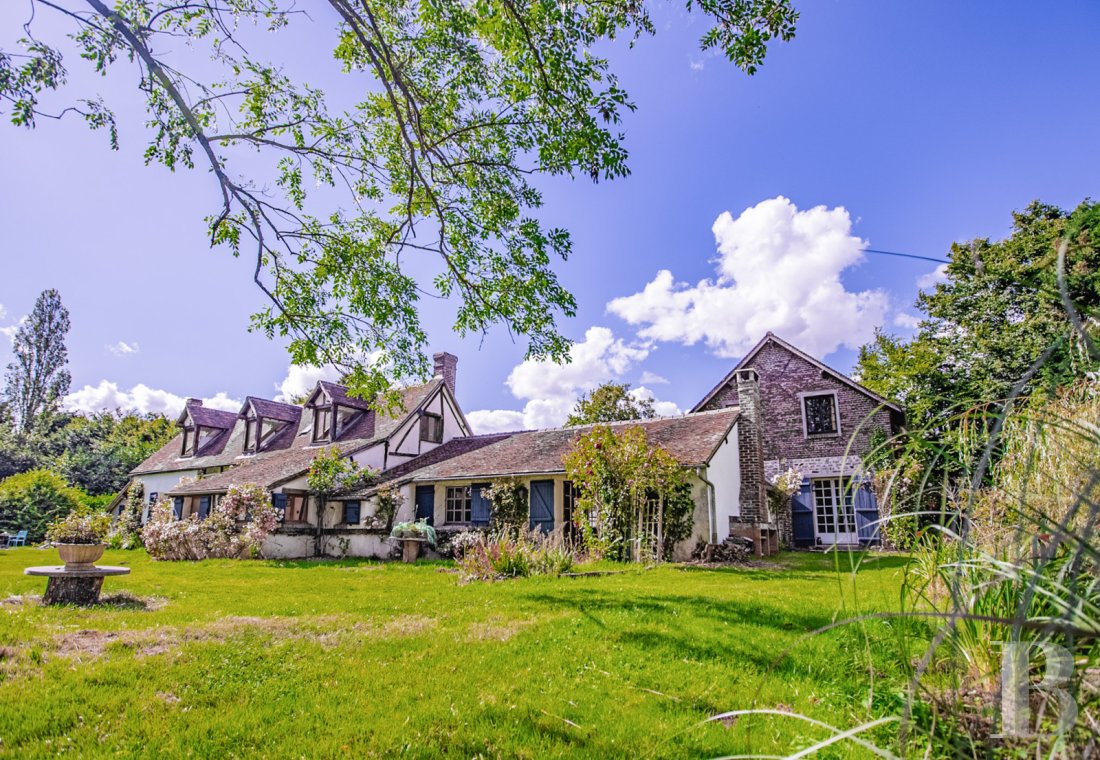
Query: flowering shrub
point(462, 542)
point(507, 555)
point(126, 531)
point(79, 527)
point(510, 505)
point(236, 527)
point(388, 502)
point(623, 482)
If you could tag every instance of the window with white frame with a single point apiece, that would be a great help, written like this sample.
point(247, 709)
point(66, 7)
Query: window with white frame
point(459, 504)
point(819, 414)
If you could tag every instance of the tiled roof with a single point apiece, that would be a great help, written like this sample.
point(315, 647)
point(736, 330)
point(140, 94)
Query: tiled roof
point(274, 410)
point(452, 448)
point(214, 418)
point(691, 439)
point(339, 395)
point(371, 428)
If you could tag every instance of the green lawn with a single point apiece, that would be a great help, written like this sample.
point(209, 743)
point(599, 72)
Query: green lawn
point(354, 658)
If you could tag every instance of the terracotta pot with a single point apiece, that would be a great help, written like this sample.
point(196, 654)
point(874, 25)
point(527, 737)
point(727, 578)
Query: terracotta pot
point(80, 556)
point(410, 549)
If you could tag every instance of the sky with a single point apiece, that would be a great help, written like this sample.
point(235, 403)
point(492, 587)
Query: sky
point(902, 126)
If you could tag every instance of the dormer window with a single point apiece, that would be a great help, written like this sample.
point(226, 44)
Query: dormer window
point(322, 423)
point(251, 432)
point(188, 442)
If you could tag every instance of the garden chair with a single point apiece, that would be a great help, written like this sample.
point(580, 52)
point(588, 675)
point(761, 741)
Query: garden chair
point(19, 539)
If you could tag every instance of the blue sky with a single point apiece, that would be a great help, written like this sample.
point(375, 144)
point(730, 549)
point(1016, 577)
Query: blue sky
point(913, 124)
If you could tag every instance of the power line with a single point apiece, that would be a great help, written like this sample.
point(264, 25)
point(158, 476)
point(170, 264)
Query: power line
point(906, 255)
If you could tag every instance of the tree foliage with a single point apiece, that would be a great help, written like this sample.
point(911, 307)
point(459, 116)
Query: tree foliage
point(619, 476)
point(32, 500)
point(38, 378)
point(610, 402)
point(999, 319)
point(1014, 320)
point(463, 106)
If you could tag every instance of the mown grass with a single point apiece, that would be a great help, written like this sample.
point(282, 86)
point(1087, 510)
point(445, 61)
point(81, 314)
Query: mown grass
point(354, 658)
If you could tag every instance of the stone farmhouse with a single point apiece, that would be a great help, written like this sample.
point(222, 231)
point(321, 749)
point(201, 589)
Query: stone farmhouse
point(777, 409)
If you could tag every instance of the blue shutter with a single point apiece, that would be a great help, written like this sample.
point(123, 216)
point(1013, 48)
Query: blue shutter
point(278, 500)
point(204, 507)
point(802, 516)
point(425, 504)
point(542, 505)
point(351, 512)
point(479, 506)
point(867, 514)
point(177, 507)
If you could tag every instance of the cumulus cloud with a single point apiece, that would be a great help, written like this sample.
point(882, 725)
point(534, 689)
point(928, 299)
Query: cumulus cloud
point(933, 278)
point(9, 331)
point(551, 390)
point(301, 380)
point(140, 398)
point(908, 321)
point(122, 348)
point(652, 378)
point(777, 269)
point(661, 408)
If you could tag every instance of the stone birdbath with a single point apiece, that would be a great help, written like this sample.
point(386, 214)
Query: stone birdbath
point(410, 549)
point(78, 538)
point(68, 585)
point(412, 536)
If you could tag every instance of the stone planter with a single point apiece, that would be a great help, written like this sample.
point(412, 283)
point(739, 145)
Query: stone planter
point(410, 549)
point(80, 556)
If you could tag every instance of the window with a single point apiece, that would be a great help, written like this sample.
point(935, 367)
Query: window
point(431, 428)
point(188, 449)
point(251, 434)
point(322, 423)
point(296, 507)
point(345, 418)
point(153, 497)
point(459, 504)
point(834, 509)
point(351, 512)
point(819, 414)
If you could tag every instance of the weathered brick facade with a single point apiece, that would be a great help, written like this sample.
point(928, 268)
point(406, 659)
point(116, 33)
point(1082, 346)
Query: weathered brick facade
point(783, 376)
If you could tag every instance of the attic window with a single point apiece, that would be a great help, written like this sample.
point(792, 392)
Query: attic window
point(345, 419)
point(819, 415)
point(322, 423)
point(188, 449)
point(258, 431)
point(431, 428)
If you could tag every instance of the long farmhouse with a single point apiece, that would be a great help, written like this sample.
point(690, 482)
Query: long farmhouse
point(778, 408)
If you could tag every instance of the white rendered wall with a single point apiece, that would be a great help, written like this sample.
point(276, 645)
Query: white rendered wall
point(724, 472)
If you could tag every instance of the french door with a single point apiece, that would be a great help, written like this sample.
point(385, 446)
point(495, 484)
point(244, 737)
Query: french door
point(834, 511)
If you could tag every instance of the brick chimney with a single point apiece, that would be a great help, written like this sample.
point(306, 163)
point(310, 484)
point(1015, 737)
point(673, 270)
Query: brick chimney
point(751, 448)
point(446, 366)
point(193, 402)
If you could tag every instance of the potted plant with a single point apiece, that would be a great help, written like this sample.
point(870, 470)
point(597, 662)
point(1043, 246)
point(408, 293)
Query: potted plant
point(412, 535)
point(80, 538)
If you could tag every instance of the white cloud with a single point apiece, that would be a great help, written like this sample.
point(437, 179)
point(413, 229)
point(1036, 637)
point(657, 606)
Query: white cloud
point(933, 278)
point(696, 64)
point(652, 378)
point(122, 348)
point(3, 311)
point(9, 331)
point(301, 380)
point(495, 420)
point(662, 408)
point(141, 398)
point(778, 269)
point(901, 319)
point(551, 390)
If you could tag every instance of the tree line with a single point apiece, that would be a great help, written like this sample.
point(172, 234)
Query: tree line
point(53, 460)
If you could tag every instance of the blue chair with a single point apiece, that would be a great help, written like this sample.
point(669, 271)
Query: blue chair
point(19, 539)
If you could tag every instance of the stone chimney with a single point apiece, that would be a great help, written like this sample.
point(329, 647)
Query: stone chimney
point(751, 448)
point(446, 366)
point(193, 402)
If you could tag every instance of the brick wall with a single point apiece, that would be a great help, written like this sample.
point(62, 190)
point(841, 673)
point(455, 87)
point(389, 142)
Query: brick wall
point(783, 376)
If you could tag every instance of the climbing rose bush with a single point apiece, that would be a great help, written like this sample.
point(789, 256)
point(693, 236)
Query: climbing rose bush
point(235, 528)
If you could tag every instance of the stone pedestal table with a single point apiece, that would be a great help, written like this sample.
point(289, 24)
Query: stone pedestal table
point(72, 586)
